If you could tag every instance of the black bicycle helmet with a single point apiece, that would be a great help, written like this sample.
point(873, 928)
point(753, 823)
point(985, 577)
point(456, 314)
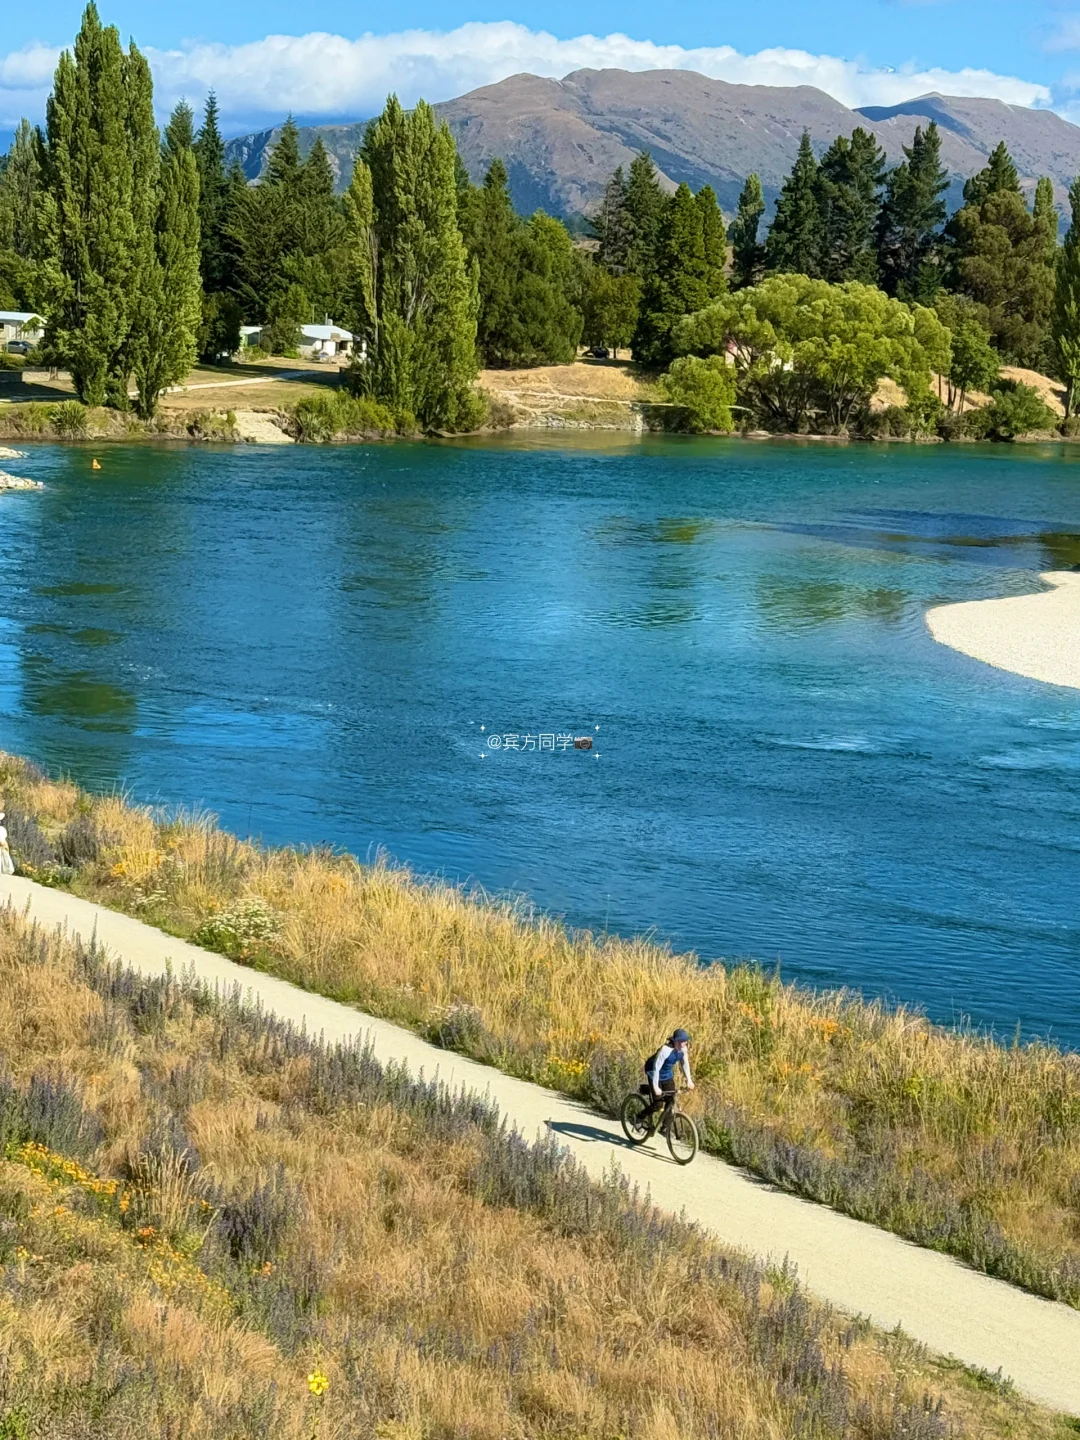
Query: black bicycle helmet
point(679, 1035)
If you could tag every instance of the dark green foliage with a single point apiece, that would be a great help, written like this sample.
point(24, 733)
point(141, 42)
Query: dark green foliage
point(714, 238)
point(1065, 321)
point(213, 190)
point(219, 329)
point(414, 295)
point(611, 226)
point(912, 215)
point(796, 239)
point(678, 283)
point(645, 210)
point(849, 184)
point(1001, 257)
point(20, 185)
point(283, 165)
point(609, 305)
point(748, 251)
point(288, 310)
point(322, 418)
point(1018, 410)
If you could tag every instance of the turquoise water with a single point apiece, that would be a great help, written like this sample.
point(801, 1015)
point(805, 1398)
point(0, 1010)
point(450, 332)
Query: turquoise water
point(309, 642)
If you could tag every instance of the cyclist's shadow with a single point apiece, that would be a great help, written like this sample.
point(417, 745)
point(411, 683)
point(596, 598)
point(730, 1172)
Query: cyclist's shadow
point(573, 1131)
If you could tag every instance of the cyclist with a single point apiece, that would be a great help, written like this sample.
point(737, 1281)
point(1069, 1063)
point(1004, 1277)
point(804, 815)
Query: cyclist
point(660, 1071)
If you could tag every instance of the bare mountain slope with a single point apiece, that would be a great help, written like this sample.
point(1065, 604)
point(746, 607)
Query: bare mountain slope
point(562, 138)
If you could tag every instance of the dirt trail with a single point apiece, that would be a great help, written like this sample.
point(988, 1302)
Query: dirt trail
point(863, 1270)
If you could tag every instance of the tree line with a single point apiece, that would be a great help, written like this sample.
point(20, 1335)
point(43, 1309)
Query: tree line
point(143, 251)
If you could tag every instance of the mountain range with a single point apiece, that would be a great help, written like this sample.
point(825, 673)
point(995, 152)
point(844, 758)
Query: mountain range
point(561, 139)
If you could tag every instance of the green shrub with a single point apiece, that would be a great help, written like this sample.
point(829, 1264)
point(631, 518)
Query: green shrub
point(69, 419)
point(893, 423)
point(319, 419)
point(8, 361)
point(704, 388)
point(19, 420)
point(1070, 428)
point(255, 352)
point(1018, 410)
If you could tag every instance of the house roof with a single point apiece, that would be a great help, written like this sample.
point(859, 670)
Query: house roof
point(325, 332)
point(19, 317)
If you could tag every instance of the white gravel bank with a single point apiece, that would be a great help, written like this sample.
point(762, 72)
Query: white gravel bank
point(1033, 635)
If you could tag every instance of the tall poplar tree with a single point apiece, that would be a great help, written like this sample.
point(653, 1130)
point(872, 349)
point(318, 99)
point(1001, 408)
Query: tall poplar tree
point(912, 215)
point(678, 283)
point(849, 184)
point(714, 239)
point(95, 163)
point(414, 293)
point(748, 252)
point(1065, 322)
point(213, 189)
point(796, 238)
point(20, 187)
point(164, 340)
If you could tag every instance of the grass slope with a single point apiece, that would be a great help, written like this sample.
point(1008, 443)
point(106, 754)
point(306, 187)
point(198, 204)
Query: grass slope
point(949, 1139)
point(211, 1225)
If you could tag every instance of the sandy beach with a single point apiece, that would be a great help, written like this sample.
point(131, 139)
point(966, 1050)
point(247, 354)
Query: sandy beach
point(1033, 635)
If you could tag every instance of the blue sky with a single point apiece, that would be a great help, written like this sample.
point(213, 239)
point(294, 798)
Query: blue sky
point(333, 59)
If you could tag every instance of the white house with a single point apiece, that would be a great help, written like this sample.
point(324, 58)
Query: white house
point(20, 325)
point(317, 342)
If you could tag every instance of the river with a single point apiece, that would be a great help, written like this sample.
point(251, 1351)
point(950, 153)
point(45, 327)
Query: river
point(394, 647)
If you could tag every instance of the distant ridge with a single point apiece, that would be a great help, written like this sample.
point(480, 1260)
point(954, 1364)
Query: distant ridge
point(561, 139)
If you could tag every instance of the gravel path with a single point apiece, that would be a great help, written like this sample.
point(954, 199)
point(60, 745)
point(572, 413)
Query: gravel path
point(1033, 635)
point(857, 1267)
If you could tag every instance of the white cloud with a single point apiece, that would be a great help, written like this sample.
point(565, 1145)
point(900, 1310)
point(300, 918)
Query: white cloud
point(318, 74)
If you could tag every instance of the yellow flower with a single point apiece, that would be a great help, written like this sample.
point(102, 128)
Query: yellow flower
point(318, 1382)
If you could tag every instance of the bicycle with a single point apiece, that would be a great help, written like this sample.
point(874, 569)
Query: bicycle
point(640, 1125)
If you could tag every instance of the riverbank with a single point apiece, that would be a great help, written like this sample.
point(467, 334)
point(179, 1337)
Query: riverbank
point(1037, 636)
point(946, 1138)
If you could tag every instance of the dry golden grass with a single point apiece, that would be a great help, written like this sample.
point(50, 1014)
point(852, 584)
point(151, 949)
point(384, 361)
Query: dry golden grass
point(950, 1139)
point(433, 1308)
point(595, 379)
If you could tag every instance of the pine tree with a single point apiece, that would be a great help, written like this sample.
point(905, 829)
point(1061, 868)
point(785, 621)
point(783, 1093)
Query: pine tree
point(96, 167)
point(415, 294)
point(1046, 216)
point(283, 165)
point(912, 214)
point(796, 239)
point(1000, 258)
point(1065, 323)
point(213, 187)
point(714, 238)
point(645, 210)
point(748, 253)
point(611, 226)
point(490, 229)
point(180, 131)
point(849, 183)
point(678, 282)
point(164, 344)
point(317, 179)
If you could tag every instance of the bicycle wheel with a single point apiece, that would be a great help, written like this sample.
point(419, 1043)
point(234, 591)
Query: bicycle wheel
point(636, 1123)
point(682, 1138)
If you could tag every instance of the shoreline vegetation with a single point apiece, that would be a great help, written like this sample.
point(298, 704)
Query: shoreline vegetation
point(1037, 636)
point(948, 1138)
point(212, 1224)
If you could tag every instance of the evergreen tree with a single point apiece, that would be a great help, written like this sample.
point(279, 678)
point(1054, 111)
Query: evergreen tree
point(714, 238)
point(490, 228)
point(20, 194)
point(678, 283)
point(849, 183)
point(164, 345)
point(609, 305)
point(1065, 323)
point(611, 226)
point(1000, 258)
point(912, 214)
point(748, 253)
point(796, 239)
point(180, 131)
point(213, 188)
point(283, 165)
point(97, 173)
point(645, 210)
point(1046, 216)
point(317, 180)
point(414, 294)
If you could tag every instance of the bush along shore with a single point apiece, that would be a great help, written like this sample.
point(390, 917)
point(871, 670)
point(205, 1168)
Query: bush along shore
point(71, 420)
point(211, 1224)
point(947, 1138)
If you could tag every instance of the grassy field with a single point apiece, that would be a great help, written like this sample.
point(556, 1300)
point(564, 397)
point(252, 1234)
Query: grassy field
point(958, 1143)
point(212, 1226)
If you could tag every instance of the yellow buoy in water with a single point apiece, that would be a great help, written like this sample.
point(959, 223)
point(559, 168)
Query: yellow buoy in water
point(95, 464)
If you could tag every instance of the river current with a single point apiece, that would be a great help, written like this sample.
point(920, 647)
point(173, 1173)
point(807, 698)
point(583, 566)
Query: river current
point(395, 647)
